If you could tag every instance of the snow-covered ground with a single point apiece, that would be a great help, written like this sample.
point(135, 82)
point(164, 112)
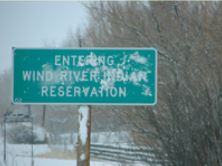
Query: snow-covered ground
point(20, 155)
point(24, 161)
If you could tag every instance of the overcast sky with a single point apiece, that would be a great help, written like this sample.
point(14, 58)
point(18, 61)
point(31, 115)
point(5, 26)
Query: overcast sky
point(35, 24)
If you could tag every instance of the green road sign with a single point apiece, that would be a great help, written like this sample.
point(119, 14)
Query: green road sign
point(120, 76)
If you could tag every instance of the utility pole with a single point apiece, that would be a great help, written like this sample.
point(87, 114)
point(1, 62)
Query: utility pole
point(43, 116)
point(4, 157)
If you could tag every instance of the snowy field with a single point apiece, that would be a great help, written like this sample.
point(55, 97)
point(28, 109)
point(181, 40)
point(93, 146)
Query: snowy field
point(20, 155)
point(24, 161)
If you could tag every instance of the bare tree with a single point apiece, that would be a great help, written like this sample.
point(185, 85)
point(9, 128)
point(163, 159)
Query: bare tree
point(185, 126)
point(5, 89)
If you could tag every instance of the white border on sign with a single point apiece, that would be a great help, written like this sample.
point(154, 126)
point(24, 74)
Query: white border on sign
point(88, 48)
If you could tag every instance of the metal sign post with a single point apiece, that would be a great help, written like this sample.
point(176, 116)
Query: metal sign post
point(32, 126)
point(32, 150)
